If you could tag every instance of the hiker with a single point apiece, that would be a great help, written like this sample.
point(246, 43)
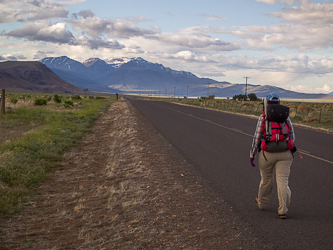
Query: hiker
point(274, 141)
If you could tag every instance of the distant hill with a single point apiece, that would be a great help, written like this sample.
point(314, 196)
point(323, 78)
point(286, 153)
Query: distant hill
point(136, 75)
point(263, 91)
point(32, 76)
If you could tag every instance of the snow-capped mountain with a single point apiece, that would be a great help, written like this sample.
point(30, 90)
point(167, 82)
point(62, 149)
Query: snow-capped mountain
point(117, 62)
point(136, 75)
point(106, 66)
point(63, 63)
point(122, 73)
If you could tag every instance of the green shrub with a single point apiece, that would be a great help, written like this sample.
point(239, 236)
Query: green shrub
point(68, 104)
point(239, 97)
point(100, 97)
point(76, 97)
point(56, 98)
point(13, 100)
point(252, 97)
point(91, 97)
point(40, 101)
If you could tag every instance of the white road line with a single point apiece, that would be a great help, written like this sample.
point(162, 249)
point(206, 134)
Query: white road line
point(242, 132)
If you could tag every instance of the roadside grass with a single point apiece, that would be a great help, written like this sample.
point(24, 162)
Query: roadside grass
point(27, 157)
point(316, 115)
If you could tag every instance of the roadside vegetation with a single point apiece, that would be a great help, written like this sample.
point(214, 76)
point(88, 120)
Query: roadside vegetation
point(35, 133)
point(313, 114)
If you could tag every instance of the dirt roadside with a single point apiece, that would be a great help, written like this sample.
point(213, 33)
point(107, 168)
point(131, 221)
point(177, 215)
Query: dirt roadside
point(125, 187)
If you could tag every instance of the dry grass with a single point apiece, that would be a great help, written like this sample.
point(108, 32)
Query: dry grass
point(292, 115)
point(309, 118)
point(303, 107)
point(21, 104)
point(247, 104)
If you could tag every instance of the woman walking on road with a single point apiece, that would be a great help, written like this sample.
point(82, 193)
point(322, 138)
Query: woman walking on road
point(274, 140)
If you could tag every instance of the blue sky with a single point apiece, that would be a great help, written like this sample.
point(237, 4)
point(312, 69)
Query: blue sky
point(285, 43)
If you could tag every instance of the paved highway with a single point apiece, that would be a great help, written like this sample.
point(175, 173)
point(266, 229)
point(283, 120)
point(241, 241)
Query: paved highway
point(217, 145)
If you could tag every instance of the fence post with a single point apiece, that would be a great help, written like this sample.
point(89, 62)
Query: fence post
point(3, 101)
point(320, 113)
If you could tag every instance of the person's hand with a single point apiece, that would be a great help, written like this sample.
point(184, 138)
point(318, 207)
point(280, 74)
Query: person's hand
point(251, 160)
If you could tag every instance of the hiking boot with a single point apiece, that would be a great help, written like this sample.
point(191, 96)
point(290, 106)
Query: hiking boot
point(256, 202)
point(283, 216)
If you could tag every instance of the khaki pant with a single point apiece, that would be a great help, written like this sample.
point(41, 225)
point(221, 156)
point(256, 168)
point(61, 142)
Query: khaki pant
point(282, 163)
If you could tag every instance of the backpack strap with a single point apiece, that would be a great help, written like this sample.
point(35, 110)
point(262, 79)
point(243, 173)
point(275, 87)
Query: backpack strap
point(286, 135)
point(284, 129)
point(268, 134)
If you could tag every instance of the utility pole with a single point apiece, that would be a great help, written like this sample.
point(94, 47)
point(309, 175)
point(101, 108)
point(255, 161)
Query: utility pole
point(246, 77)
point(187, 90)
point(208, 91)
point(85, 93)
point(174, 94)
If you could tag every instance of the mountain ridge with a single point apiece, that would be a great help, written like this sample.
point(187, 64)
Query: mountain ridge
point(32, 76)
point(126, 74)
point(138, 76)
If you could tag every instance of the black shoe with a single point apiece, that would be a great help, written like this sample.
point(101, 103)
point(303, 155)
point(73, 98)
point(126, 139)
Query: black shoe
point(283, 216)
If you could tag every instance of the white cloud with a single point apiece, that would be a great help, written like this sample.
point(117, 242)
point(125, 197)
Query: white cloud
point(24, 10)
point(11, 57)
point(267, 1)
point(97, 26)
point(70, 2)
point(41, 31)
point(191, 56)
point(133, 49)
point(299, 37)
point(291, 36)
point(215, 18)
point(288, 2)
point(308, 89)
point(325, 89)
point(57, 33)
point(307, 13)
point(306, 27)
point(300, 64)
point(195, 41)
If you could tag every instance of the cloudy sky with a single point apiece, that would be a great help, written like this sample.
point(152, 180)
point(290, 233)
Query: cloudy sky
point(285, 43)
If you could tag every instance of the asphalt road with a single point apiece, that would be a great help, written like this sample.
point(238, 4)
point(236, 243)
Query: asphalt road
point(217, 145)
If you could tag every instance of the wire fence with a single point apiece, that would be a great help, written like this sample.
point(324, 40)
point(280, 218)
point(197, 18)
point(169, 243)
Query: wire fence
point(301, 112)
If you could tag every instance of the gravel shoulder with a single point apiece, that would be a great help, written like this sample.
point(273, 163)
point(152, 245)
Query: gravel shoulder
point(125, 187)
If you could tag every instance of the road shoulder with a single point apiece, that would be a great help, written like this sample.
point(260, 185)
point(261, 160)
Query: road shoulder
point(125, 187)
